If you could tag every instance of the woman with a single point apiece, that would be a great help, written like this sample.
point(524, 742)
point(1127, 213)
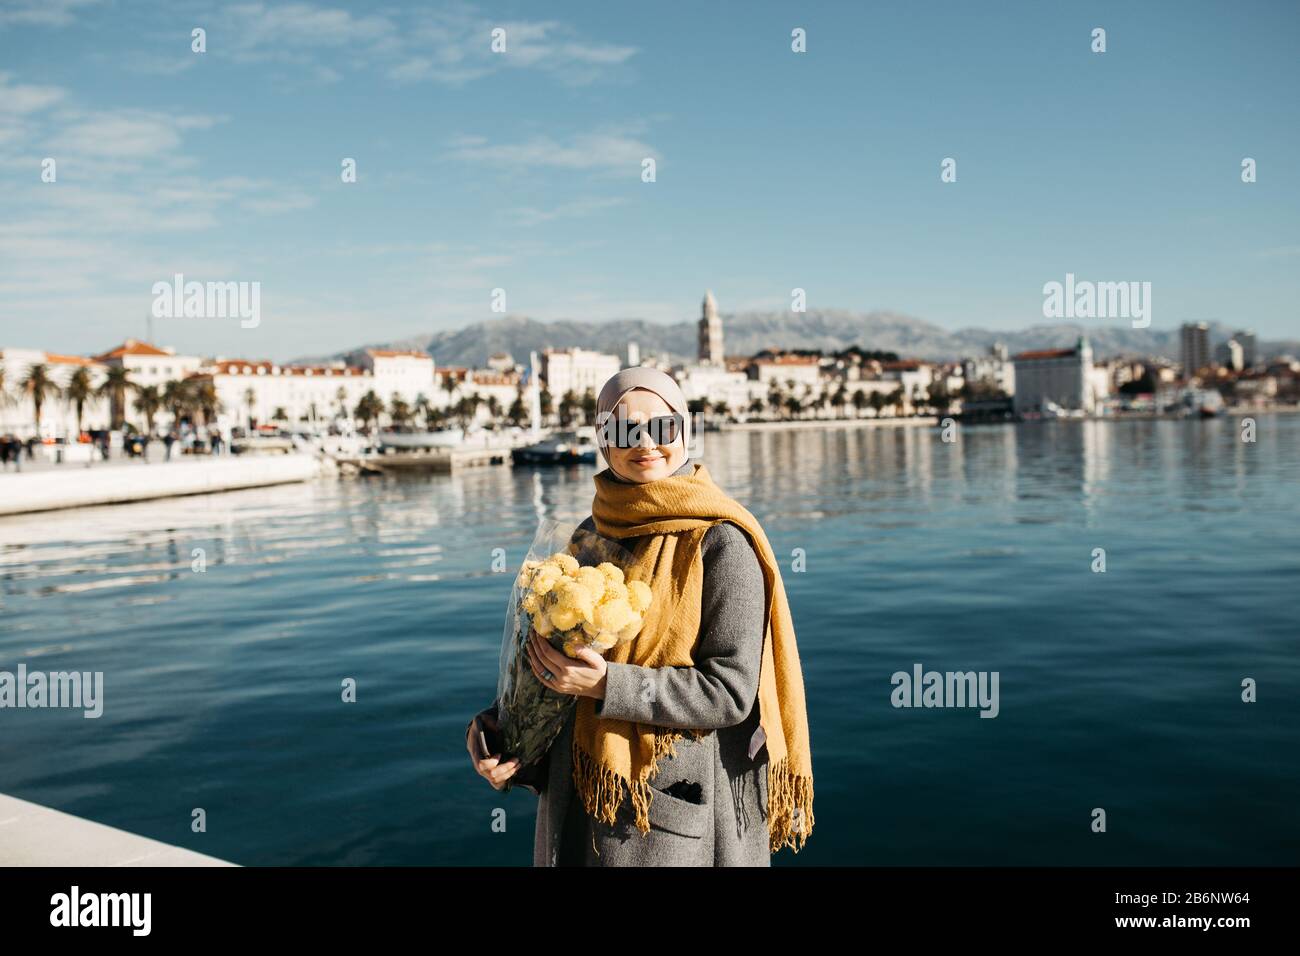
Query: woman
point(688, 745)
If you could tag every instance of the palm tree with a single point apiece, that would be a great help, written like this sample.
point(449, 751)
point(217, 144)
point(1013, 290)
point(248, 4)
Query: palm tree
point(756, 406)
point(368, 409)
point(449, 385)
point(897, 400)
point(470, 403)
point(203, 399)
point(279, 415)
point(940, 398)
point(878, 402)
point(148, 401)
point(517, 413)
point(839, 399)
point(177, 397)
point(250, 397)
point(775, 398)
point(421, 407)
point(341, 396)
point(117, 382)
point(79, 391)
point(37, 385)
point(567, 406)
point(399, 411)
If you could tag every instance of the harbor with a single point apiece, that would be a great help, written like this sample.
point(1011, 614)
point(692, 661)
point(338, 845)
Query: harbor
point(222, 687)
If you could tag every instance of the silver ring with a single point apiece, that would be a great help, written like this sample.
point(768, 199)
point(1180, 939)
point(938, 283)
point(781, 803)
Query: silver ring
point(547, 675)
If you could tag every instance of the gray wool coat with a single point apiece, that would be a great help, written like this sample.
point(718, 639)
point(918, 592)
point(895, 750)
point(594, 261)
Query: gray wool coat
point(709, 806)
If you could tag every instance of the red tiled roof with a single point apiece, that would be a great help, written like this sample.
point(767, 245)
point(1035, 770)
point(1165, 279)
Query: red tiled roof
point(238, 367)
point(789, 360)
point(132, 347)
point(53, 359)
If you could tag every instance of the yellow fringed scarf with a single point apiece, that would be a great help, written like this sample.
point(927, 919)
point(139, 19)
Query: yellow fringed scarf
point(612, 755)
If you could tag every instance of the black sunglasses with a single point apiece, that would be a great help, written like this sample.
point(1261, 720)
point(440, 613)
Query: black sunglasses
point(623, 433)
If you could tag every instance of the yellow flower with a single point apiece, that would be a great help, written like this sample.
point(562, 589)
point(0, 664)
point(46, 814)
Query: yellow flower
point(613, 616)
point(542, 624)
point(591, 579)
point(614, 591)
point(613, 573)
point(565, 617)
point(531, 602)
point(526, 571)
point(632, 630)
point(570, 592)
point(638, 596)
point(566, 562)
point(545, 578)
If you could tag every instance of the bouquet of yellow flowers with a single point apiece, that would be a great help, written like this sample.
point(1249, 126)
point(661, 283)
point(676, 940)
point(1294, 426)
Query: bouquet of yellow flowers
point(572, 605)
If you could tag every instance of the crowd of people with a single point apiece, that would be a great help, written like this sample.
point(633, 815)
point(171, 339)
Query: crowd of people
point(12, 450)
point(190, 440)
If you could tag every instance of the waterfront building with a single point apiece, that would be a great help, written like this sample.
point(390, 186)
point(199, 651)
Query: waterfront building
point(58, 415)
point(802, 369)
point(1194, 338)
point(576, 370)
point(1065, 377)
point(995, 368)
point(913, 376)
point(1249, 347)
point(1230, 355)
point(257, 390)
point(503, 386)
point(402, 373)
point(710, 333)
point(150, 364)
point(721, 385)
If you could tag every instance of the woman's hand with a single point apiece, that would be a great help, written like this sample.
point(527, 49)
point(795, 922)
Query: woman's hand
point(490, 768)
point(583, 675)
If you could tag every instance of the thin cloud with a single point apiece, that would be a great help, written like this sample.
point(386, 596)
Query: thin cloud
point(48, 13)
point(605, 151)
point(451, 44)
point(531, 216)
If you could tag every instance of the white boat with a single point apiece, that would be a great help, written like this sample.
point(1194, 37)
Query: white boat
point(1053, 410)
point(414, 441)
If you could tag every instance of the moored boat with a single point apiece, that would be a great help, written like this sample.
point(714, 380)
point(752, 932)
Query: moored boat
point(562, 448)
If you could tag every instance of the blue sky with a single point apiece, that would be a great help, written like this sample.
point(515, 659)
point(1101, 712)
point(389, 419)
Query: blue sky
point(522, 171)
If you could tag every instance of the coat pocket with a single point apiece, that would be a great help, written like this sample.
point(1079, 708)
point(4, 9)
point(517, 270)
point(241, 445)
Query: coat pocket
point(679, 816)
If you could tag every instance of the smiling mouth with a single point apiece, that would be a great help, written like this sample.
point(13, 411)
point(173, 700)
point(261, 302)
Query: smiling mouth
point(645, 460)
